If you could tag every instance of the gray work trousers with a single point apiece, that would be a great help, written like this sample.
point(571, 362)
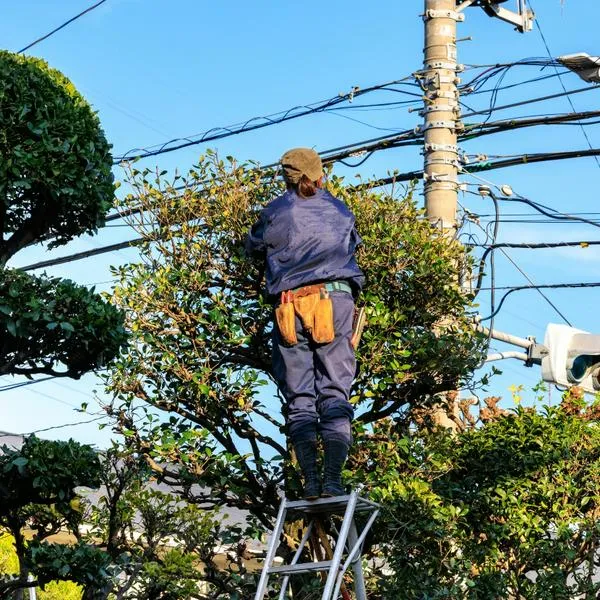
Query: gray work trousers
point(315, 379)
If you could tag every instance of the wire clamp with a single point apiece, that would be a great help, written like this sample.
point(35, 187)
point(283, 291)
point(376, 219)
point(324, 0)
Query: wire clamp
point(443, 14)
point(449, 95)
point(439, 125)
point(453, 162)
point(443, 64)
point(431, 178)
point(440, 148)
point(431, 108)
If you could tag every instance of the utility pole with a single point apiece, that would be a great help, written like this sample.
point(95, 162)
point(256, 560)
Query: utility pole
point(441, 112)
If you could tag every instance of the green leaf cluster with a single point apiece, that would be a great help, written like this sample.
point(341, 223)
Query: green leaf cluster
point(47, 322)
point(80, 563)
point(55, 173)
point(507, 510)
point(195, 387)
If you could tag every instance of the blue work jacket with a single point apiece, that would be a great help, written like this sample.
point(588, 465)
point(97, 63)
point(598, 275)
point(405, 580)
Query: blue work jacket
point(305, 241)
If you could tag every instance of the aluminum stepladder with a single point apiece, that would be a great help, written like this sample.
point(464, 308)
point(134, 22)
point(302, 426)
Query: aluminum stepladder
point(347, 550)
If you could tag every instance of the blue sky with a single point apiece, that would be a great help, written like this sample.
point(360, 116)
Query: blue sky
point(156, 71)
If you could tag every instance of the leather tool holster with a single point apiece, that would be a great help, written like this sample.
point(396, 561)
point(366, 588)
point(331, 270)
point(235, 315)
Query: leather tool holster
point(314, 308)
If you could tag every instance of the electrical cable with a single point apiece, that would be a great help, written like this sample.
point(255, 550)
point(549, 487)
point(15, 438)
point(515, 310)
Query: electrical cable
point(53, 428)
point(45, 37)
point(392, 179)
point(539, 28)
point(14, 386)
point(257, 122)
point(490, 251)
point(553, 286)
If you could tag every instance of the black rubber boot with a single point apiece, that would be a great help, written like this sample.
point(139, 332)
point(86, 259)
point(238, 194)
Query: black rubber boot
point(306, 453)
point(336, 452)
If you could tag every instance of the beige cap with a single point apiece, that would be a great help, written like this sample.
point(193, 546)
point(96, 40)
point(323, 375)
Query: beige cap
point(301, 161)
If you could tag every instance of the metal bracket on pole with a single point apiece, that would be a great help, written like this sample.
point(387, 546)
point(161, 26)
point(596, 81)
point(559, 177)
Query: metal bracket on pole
point(442, 161)
point(522, 20)
point(440, 108)
point(439, 125)
point(440, 177)
point(443, 14)
point(442, 64)
point(447, 94)
point(440, 148)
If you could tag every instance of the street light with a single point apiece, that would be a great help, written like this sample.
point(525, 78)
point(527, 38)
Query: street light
point(522, 18)
point(586, 66)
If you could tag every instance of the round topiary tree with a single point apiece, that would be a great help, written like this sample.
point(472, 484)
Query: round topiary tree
point(55, 167)
point(56, 183)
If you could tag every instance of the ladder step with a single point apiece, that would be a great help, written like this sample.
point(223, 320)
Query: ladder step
point(335, 504)
point(301, 568)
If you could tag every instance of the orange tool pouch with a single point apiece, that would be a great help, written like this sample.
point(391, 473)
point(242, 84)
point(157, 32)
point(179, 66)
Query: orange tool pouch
point(286, 319)
point(314, 307)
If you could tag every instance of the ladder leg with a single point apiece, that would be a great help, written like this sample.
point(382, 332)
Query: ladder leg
point(301, 545)
point(264, 576)
point(359, 580)
point(354, 551)
point(339, 547)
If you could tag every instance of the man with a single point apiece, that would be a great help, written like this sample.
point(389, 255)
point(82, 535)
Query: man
point(307, 239)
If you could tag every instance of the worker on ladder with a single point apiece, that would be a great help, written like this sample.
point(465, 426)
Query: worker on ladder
point(307, 238)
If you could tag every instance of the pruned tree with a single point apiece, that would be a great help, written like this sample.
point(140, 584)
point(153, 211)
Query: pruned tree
point(56, 184)
point(507, 509)
point(160, 547)
point(38, 495)
point(200, 355)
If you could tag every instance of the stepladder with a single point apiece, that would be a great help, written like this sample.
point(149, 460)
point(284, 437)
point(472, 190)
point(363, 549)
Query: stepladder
point(347, 520)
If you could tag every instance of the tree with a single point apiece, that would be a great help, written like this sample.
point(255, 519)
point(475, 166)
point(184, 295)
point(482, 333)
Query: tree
point(160, 548)
point(508, 509)
point(200, 349)
point(56, 183)
point(38, 492)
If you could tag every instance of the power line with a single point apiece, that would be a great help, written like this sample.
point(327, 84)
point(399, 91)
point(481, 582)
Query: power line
point(552, 286)
point(45, 37)
point(14, 386)
point(396, 178)
point(81, 255)
point(540, 245)
point(539, 28)
point(567, 93)
point(554, 307)
point(62, 426)
point(254, 123)
point(490, 251)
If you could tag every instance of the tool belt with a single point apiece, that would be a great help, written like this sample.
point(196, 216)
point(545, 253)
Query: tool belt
point(314, 308)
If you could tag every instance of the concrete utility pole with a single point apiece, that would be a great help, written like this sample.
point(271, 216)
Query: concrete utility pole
point(441, 112)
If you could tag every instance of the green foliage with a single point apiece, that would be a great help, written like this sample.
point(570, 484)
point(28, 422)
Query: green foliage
point(38, 491)
point(507, 510)
point(45, 322)
point(45, 472)
point(55, 590)
point(55, 174)
point(80, 563)
point(160, 547)
point(56, 182)
point(201, 329)
point(9, 563)
point(60, 590)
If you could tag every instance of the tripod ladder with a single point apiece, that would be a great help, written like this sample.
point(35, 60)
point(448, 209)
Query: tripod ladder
point(347, 549)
